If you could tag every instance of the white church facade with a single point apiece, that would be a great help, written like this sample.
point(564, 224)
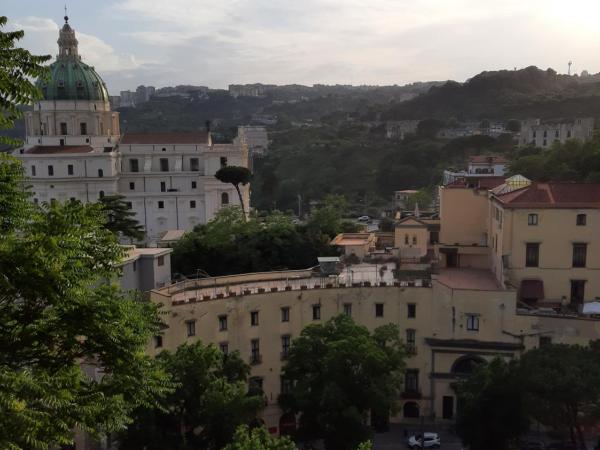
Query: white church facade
point(74, 150)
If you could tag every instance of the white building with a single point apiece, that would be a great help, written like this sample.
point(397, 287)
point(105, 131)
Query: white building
point(544, 134)
point(74, 150)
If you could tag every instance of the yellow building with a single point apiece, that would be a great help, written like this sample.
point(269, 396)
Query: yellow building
point(358, 244)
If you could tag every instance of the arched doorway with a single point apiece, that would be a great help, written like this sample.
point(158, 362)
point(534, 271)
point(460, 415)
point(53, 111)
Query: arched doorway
point(287, 424)
point(410, 410)
point(465, 365)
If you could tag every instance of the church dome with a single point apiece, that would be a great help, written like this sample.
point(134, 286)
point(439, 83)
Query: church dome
point(70, 78)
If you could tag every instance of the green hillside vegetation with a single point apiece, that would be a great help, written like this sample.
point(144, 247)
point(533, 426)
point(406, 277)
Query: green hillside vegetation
point(504, 94)
point(572, 161)
point(357, 162)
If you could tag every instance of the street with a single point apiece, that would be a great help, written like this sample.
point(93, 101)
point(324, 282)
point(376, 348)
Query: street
point(395, 439)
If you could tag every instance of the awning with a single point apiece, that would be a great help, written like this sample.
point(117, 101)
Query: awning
point(591, 308)
point(531, 290)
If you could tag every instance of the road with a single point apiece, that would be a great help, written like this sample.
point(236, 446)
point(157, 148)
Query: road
point(395, 440)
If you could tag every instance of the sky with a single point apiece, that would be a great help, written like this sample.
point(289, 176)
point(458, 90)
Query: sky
point(220, 42)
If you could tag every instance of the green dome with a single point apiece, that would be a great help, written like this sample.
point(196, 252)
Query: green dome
point(71, 79)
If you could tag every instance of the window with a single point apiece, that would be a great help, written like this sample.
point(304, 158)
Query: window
point(255, 384)
point(63, 128)
point(285, 314)
point(581, 220)
point(411, 338)
point(160, 261)
point(556, 133)
point(36, 201)
point(33, 171)
point(532, 219)
point(158, 341)
point(163, 186)
point(569, 133)
point(223, 322)
point(164, 149)
point(545, 341)
point(224, 347)
point(545, 143)
point(194, 185)
point(134, 165)
point(316, 312)
point(132, 186)
point(411, 380)
point(223, 161)
point(286, 385)
point(579, 255)
point(532, 254)
point(190, 327)
point(472, 322)
point(254, 351)
point(192, 204)
point(411, 310)
point(194, 165)
point(50, 171)
point(70, 169)
point(164, 165)
point(378, 309)
point(83, 128)
point(348, 309)
point(414, 240)
point(100, 173)
point(254, 318)
point(577, 291)
point(406, 239)
point(161, 204)
point(545, 133)
point(101, 194)
point(285, 346)
point(224, 198)
point(129, 205)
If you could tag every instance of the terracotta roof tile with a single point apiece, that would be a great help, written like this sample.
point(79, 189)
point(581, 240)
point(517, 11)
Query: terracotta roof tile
point(165, 138)
point(554, 195)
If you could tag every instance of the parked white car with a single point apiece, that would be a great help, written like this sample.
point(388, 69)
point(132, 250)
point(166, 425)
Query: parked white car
point(364, 219)
point(428, 440)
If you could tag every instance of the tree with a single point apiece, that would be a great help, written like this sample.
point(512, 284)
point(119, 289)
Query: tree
point(120, 219)
point(339, 373)
point(17, 68)
point(235, 175)
point(210, 401)
point(258, 439)
point(327, 218)
point(562, 387)
point(62, 319)
point(493, 414)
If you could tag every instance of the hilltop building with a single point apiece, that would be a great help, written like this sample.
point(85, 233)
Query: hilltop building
point(256, 138)
point(74, 150)
point(544, 133)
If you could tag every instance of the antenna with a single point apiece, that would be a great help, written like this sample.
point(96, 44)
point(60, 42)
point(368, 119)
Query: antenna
point(570, 63)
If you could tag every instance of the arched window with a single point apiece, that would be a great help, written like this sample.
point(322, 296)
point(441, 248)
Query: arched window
point(410, 410)
point(466, 364)
point(224, 198)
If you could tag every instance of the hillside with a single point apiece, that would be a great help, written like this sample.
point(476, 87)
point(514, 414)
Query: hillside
point(504, 94)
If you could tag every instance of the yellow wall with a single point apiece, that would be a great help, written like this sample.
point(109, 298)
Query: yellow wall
point(464, 215)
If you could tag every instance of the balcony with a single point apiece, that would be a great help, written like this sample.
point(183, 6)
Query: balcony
point(411, 394)
point(255, 359)
point(411, 349)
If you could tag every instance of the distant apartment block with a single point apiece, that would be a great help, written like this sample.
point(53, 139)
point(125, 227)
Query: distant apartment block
point(545, 133)
point(143, 93)
point(249, 90)
point(399, 129)
point(255, 137)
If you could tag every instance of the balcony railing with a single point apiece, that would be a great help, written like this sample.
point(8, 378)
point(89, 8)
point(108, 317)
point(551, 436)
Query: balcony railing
point(411, 394)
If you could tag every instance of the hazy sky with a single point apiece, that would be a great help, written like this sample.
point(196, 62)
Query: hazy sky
point(218, 42)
